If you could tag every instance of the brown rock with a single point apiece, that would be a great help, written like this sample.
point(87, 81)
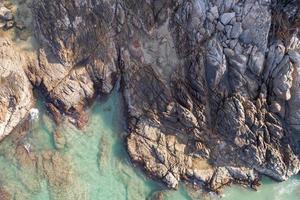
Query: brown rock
point(59, 140)
point(16, 97)
point(4, 195)
point(55, 113)
point(191, 94)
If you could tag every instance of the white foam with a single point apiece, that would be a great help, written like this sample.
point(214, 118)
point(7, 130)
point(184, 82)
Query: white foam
point(34, 114)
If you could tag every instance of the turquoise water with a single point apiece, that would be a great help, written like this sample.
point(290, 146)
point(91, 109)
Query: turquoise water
point(92, 164)
point(270, 190)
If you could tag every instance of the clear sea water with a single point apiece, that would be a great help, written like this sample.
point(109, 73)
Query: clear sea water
point(94, 165)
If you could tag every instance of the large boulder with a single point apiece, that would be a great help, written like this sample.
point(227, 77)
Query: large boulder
point(16, 98)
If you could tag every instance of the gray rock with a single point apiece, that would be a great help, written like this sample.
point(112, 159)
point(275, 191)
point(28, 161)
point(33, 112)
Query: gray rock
point(216, 65)
point(238, 61)
point(214, 11)
point(228, 5)
point(227, 17)
point(236, 30)
point(246, 37)
point(275, 56)
point(283, 80)
point(220, 26)
point(256, 62)
point(293, 116)
point(233, 43)
point(256, 22)
point(275, 107)
point(228, 29)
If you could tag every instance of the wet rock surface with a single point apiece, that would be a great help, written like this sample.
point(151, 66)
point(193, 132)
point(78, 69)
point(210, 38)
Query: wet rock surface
point(210, 87)
point(4, 195)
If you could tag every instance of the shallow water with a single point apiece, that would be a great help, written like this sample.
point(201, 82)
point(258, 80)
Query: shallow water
point(93, 164)
point(270, 190)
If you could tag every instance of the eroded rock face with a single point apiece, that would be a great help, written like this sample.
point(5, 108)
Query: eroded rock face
point(211, 88)
point(221, 115)
point(16, 97)
point(77, 55)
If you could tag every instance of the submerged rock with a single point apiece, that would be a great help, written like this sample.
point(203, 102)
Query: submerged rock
point(4, 195)
point(57, 169)
point(157, 196)
point(59, 140)
point(104, 152)
point(211, 89)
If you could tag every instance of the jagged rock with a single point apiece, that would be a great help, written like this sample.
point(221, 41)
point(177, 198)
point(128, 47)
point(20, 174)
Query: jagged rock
point(256, 62)
point(255, 23)
point(216, 65)
point(16, 97)
point(220, 179)
point(236, 30)
point(171, 180)
point(72, 68)
point(211, 89)
point(220, 26)
point(227, 17)
point(157, 196)
point(237, 61)
point(5, 13)
point(283, 79)
point(214, 11)
point(224, 84)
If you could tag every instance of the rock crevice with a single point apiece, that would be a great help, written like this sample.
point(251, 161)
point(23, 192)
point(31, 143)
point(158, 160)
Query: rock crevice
point(210, 87)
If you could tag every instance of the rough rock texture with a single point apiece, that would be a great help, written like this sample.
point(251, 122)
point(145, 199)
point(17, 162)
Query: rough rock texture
point(222, 114)
point(16, 97)
point(211, 88)
point(4, 195)
point(76, 56)
point(6, 17)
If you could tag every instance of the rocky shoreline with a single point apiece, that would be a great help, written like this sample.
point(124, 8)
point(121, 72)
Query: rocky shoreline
point(211, 88)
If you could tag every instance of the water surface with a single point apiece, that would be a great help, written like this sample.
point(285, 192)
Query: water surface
point(92, 164)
